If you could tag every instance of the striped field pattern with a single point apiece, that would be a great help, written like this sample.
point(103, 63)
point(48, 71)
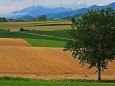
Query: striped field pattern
point(48, 63)
point(13, 42)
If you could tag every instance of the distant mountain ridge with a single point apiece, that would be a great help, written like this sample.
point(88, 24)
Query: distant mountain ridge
point(38, 10)
point(53, 13)
point(26, 17)
point(79, 11)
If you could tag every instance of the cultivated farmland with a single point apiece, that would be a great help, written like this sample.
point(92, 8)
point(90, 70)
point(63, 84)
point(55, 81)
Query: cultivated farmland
point(13, 42)
point(45, 63)
point(47, 25)
point(32, 59)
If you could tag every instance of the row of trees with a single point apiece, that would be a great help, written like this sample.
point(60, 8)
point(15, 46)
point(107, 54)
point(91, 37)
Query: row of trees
point(40, 18)
point(2, 19)
point(93, 39)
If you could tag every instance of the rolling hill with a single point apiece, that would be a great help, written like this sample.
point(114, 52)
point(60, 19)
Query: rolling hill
point(45, 63)
point(19, 58)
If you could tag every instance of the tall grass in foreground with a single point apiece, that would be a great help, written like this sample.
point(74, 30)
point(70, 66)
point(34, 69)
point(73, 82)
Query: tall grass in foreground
point(35, 83)
point(19, 81)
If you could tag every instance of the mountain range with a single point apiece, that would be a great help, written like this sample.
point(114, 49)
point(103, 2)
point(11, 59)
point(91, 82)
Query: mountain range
point(78, 12)
point(52, 13)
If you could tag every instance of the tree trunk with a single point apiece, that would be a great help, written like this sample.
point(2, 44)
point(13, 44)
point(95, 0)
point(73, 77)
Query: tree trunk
point(99, 62)
point(99, 71)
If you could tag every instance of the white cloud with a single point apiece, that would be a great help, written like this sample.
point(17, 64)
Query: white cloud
point(77, 5)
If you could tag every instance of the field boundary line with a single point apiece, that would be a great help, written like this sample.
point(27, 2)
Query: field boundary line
point(45, 35)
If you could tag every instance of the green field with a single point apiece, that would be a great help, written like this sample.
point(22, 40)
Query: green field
point(26, 35)
point(45, 43)
point(55, 33)
point(55, 38)
point(35, 83)
point(18, 81)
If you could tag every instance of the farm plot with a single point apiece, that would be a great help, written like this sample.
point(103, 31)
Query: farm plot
point(45, 63)
point(47, 25)
point(13, 42)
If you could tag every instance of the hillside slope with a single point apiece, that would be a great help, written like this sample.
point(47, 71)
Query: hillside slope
point(36, 62)
point(13, 42)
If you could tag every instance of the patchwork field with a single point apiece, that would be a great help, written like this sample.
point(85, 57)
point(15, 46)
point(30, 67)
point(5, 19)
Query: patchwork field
point(13, 42)
point(38, 38)
point(33, 59)
point(47, 25)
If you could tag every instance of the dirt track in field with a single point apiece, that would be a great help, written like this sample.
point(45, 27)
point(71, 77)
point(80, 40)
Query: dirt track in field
point(46, 63)
point(45, 35)
point(13, 42)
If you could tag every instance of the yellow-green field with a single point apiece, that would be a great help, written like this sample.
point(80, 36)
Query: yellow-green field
point(46, 25)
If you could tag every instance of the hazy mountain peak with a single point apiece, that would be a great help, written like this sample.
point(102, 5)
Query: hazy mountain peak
point(57, 12)
point(40, 10)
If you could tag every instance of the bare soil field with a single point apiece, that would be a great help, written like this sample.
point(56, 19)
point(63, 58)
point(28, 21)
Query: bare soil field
point(46, 63)
point(13, 42)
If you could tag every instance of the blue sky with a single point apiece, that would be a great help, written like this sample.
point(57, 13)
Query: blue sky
point(7, 6)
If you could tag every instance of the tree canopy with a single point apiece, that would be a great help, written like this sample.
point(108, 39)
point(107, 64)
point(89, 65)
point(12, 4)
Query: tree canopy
point(42, 18)
point(2, 19)
point(93, 38)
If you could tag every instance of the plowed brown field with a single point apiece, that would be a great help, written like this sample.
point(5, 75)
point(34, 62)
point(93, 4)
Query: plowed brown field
point(46, 63)
point(13, 42)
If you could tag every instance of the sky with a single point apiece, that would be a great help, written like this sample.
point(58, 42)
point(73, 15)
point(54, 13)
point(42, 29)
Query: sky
point(7, 6)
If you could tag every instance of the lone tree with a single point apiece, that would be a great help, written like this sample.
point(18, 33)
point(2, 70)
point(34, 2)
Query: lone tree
point(93, 39)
